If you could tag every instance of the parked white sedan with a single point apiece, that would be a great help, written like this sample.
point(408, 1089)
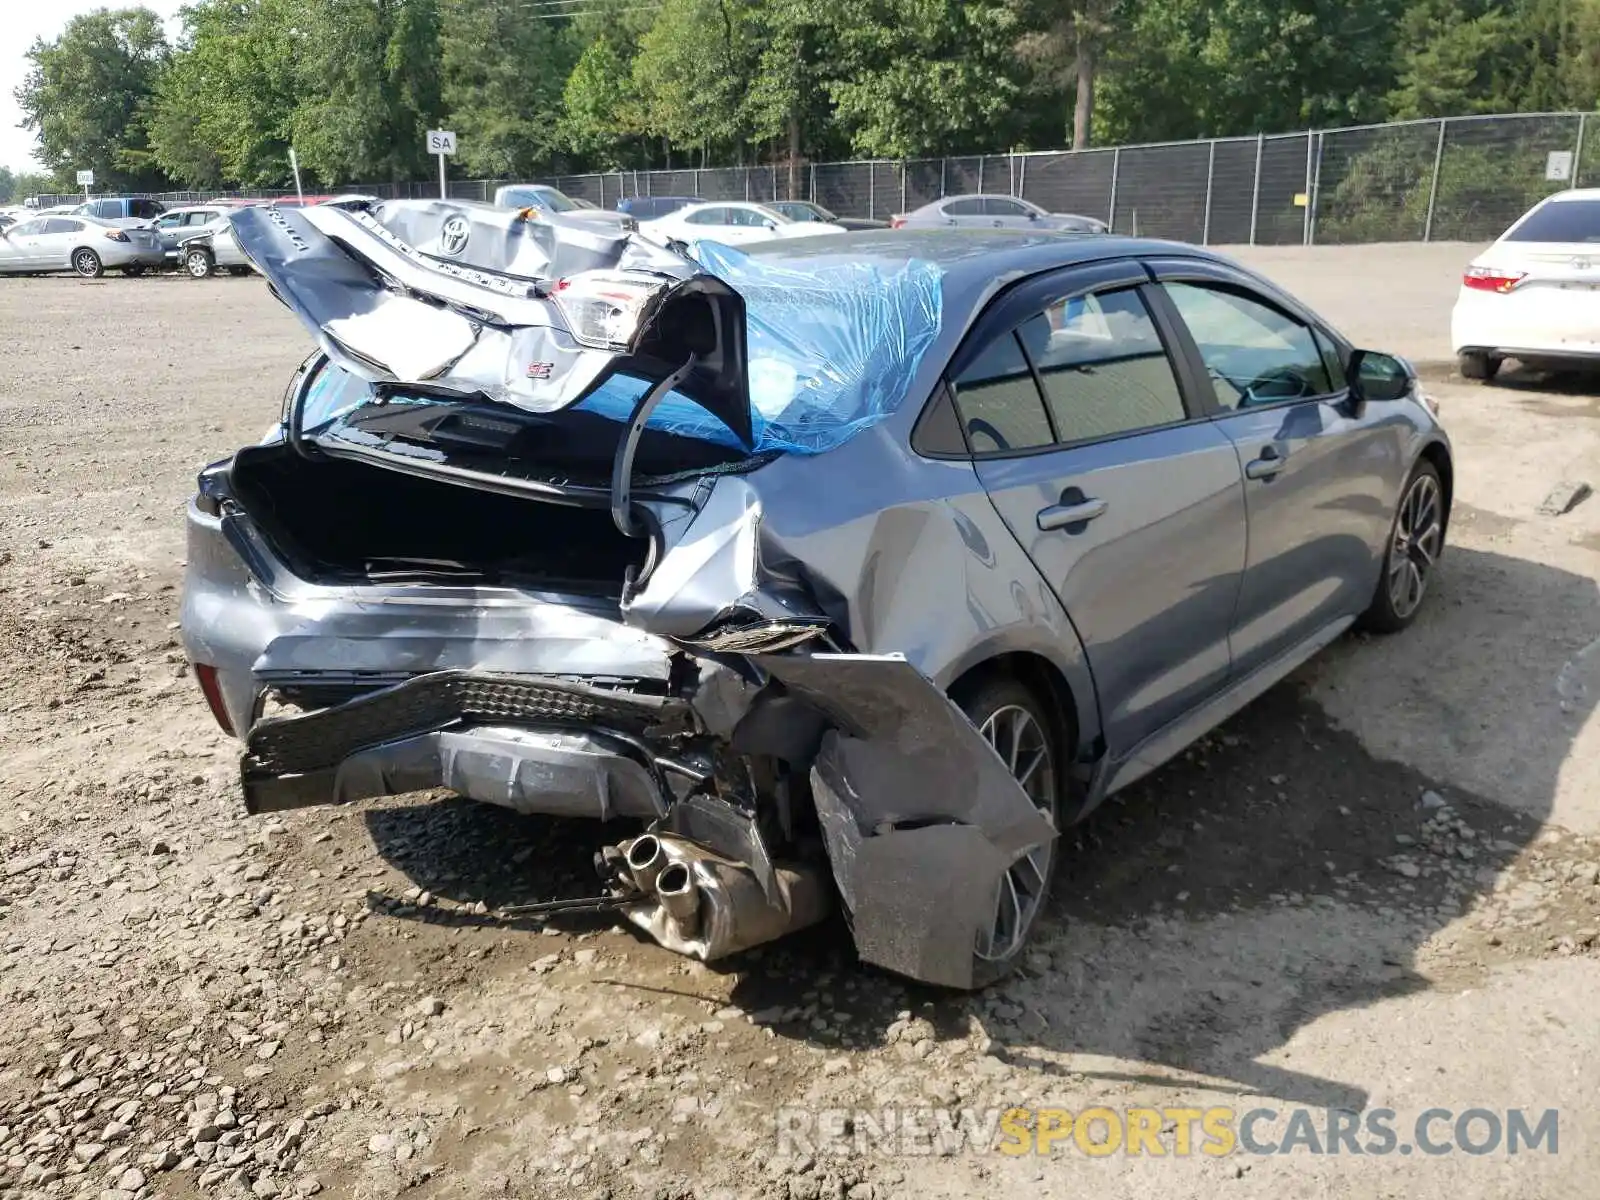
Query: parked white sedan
point(1535, 294)
point(732, 222)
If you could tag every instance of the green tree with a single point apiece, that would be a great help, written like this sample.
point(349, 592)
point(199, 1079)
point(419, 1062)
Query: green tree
point(504, 71)
point(225, 106)
point(369, 75)
point(1065, 45)
point(87, 96)
point(693, 71)
point(916, 77)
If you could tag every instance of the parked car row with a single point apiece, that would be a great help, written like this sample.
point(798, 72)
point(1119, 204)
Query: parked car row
point(682, 218)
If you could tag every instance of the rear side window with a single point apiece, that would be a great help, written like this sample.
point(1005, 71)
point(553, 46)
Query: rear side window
point(999, 404)
point(62, 225)
point(963, 208)
point(1103, 367)
point(1560, 221)
point(709, 216)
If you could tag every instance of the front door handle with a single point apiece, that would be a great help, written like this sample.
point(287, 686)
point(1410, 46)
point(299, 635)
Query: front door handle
point(1265, 467)
point(1063, 516)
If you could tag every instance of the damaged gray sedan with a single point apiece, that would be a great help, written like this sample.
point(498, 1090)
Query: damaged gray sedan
point(847, 571)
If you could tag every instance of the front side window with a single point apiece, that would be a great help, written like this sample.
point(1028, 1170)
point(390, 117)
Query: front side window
point(996, 207)
point(1253, 353)
point(1103, 367)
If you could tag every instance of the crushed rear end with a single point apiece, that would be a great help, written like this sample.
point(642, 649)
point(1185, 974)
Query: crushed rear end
point(508, 539)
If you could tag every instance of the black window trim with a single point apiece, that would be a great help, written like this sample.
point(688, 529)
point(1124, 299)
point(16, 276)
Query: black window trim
point(1030, 296)
point(1202, 272)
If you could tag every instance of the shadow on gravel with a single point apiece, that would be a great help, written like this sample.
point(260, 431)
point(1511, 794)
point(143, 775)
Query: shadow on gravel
point(1275, 874)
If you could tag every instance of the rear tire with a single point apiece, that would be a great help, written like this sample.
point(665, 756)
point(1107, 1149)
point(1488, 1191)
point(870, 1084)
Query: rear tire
point(199, 263)
point(1478, 364)
point(87, 263)
point(1026, 734)
point(1416, 540)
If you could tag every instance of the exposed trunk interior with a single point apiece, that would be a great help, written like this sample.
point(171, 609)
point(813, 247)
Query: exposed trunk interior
point(336, 520)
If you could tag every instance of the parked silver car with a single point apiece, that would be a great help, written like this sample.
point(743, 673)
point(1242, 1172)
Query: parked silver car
point(213, 249)
point(992, 212)
point(853, 568)
point(178, 225)
point(85, 245)
point(552, 202)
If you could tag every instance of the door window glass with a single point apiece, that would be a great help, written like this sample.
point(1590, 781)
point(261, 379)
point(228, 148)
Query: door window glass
point(997, 207)
point(963, 208)
point(1000, 406)
point(1102, 366)
point(1252, 352)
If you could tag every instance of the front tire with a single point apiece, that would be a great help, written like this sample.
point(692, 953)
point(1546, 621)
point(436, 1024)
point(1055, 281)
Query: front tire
point(1478, 365)
point(87, 263)
point(1025, 734)
point(199, 263)
point(1416, 539)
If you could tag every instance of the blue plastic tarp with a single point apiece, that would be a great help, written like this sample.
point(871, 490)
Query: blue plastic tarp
point(830, 347)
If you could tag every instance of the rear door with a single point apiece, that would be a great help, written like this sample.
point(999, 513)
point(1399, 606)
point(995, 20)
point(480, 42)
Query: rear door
point(1007, 214)
point(1321, 475)
point(56, 243)
point(1127, 498)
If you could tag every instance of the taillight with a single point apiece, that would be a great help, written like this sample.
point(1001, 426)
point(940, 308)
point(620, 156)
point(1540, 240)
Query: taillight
point(1492, 279)
point(896, 222)
point(207, 675)
point(116, 235)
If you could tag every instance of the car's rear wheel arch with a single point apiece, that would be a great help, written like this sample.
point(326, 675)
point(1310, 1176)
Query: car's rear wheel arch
point(1045, 683)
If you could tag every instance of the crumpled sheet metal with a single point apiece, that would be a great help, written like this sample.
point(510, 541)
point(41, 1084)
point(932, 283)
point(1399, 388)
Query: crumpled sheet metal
point(479, 331)
point(830, 349)
point(921, 817)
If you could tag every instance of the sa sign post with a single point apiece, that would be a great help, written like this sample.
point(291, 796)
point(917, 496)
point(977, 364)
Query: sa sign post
point(443, 143)
point(86, 181)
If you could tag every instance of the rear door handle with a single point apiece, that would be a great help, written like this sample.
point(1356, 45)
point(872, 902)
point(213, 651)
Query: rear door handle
point(1061, 516)
point(1265, 467)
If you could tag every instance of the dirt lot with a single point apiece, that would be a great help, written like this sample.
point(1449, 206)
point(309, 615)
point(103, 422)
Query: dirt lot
point(1376, 888)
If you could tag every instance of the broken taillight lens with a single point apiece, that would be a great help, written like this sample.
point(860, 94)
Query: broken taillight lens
point(207, 675)
point(1492, 279)
point(603, 309)
point(116, 235)
point(896, 222)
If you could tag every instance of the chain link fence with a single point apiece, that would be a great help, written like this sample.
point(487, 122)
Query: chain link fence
point(1451, 179)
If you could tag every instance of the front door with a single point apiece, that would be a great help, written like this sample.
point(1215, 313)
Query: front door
point(1128, 501)
point(1319, 472)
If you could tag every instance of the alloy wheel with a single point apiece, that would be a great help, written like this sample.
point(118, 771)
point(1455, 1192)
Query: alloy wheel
point(1418, 538)
point(1019, 739)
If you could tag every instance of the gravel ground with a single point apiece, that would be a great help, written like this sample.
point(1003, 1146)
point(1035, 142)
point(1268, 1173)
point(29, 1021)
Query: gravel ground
point(1375, 887)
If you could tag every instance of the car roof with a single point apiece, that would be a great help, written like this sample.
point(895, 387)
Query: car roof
point(1574, 194)
point(969, 258)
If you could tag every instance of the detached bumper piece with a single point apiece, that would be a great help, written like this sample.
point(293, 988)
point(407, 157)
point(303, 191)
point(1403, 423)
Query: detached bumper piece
point(534, 745)
point(920, 816)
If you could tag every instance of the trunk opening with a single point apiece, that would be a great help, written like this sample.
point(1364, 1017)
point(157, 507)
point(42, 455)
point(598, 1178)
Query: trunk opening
point(335, 520)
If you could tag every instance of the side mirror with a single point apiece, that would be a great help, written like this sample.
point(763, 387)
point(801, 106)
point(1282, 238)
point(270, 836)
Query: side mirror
point(1032, 216)
point(1374, 376)
point(772, 225)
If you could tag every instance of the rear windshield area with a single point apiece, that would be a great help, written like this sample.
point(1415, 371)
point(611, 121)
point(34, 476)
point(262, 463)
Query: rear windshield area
point(1560, 221)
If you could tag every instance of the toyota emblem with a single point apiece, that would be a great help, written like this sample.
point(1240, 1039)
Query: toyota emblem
point(453, 237)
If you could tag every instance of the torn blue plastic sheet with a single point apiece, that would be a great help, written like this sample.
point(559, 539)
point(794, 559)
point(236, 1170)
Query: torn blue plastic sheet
point(830, 347)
